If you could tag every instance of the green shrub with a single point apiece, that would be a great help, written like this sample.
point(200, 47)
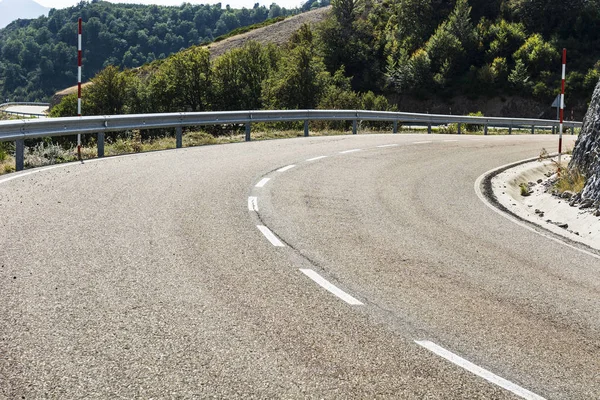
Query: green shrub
point(3, 152)
point(474, 127)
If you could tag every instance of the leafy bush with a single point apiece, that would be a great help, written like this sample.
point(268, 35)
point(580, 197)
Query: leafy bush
point(3, 151)
point(474, 127)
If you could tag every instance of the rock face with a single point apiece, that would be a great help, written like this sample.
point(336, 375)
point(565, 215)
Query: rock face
point(586, 155)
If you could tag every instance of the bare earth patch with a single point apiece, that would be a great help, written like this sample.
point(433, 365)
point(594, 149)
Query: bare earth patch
point(278, 33)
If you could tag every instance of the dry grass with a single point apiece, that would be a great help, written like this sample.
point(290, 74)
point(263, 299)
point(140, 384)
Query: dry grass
point(570, 180)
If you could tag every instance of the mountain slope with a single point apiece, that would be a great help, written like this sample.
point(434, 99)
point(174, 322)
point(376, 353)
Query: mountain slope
point(11, 10)
point(278, 33)
point(39, 56)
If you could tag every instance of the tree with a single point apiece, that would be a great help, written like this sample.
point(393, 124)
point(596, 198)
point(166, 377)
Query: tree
point(519, 76)
point(505, 38)
point(183, 82)
point(299, 82)
point(108, 93)
point(537, 55)
point(238, 76)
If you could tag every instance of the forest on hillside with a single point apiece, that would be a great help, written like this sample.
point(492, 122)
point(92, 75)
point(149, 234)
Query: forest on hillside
point(367, 51)
point(39, 56)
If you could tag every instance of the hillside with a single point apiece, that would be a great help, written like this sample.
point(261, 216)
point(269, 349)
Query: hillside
point(39, 56)
point(11, 10)
point(278, 33)
point(451, 56)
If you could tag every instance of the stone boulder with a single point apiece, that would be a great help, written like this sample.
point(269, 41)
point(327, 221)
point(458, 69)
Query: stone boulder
point(586, 155)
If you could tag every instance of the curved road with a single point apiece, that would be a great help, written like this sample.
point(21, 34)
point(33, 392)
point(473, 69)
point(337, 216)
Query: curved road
point(204, 272)
point(26, 110)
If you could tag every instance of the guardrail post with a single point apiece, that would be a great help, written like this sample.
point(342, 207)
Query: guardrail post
point(533, 129)
point(395, 128)
point(306, 128)
point(458, 128)
point(553, 132)
point(354, 127)
point(100, 144)
point(572, 129)
point(510, 129)
point(429, 128)
point(20, 154)
point(248, 130)
point(178, 137)
point(485, 129)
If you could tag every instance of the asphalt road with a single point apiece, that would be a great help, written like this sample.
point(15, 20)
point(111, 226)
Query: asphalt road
point(147, 276)
point(26, 110)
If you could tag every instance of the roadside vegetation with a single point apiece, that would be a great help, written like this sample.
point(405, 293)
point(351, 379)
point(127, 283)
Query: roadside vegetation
point(38, 56)
point(570, 179)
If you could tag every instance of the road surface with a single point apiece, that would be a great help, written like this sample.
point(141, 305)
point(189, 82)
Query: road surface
point(328, 267)
point(26, 110)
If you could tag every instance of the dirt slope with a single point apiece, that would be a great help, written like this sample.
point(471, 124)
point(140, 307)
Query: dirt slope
point(278, 33)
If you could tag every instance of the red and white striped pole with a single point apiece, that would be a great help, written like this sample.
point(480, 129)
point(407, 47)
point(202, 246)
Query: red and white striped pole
point(79, 86)
point(562, 106)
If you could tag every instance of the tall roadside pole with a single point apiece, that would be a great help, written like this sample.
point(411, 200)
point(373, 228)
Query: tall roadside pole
point(562, 106)
point(79, 86)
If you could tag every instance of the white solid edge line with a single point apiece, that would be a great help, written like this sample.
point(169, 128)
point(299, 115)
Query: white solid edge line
point(316, 158)
point(388, 145)
point(481, 372)
point(253, 203)
point(270, 236)
point(350, 151)
point(331, 288)
point(516, 221)
point(24, 174)
point(262, 182)
point(285, 168)
point(424, 142)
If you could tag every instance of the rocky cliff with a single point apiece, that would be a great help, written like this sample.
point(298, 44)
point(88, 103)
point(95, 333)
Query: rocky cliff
point(586, 155)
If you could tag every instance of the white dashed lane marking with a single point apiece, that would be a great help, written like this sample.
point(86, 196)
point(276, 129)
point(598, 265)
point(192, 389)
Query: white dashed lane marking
point(325, 284)
point(270, 236)
point(350, 151)
point(481, 372)
point(253, 203)
point(262, 182)
point(285, 168)
point(316, 158)
point(423, 142)
point(387, 145)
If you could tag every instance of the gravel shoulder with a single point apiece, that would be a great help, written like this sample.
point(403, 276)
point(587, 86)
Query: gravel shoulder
point(541, 207)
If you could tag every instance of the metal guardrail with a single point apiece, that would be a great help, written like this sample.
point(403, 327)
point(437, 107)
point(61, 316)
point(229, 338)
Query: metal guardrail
point(24, 103)
point(20, 130)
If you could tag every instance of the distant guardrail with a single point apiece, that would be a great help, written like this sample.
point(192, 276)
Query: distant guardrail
point(3, 107)
point(20, 130)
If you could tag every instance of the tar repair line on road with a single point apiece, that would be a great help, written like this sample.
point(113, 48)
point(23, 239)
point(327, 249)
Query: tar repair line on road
point(349, 299)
